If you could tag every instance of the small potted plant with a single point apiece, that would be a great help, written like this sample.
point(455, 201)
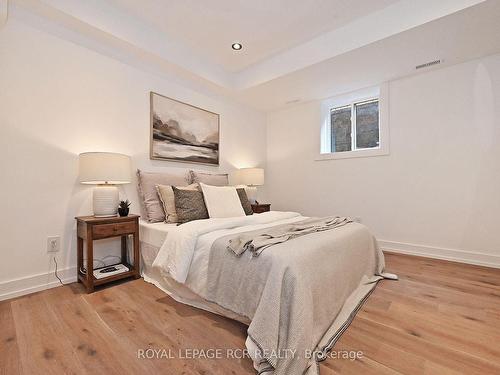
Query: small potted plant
point(124, 207)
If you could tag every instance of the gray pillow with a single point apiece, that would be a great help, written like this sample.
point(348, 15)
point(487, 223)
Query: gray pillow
point(189, 205)
point(221, 179)
point(245, 203)
point(166, 195)
point(147, 181)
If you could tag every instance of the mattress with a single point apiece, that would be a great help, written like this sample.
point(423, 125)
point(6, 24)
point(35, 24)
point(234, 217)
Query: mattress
point(154, 233)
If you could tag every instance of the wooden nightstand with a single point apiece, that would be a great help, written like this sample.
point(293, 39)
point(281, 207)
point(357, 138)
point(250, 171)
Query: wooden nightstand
point(260, 207)
point(90, 228)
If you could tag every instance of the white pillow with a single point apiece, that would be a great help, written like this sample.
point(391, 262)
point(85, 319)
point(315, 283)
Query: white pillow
point(222, 201)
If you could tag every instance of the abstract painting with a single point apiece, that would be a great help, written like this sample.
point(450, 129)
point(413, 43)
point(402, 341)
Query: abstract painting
point(182, 132)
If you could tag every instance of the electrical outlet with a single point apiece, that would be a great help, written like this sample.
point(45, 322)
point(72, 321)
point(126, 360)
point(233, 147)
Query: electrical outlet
point(53, 244)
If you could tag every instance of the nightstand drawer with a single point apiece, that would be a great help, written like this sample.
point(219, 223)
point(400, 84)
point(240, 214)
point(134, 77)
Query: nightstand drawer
point(110, 230)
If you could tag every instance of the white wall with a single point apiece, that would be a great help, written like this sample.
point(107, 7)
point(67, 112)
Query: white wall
point(58, 99)
point(437, 193)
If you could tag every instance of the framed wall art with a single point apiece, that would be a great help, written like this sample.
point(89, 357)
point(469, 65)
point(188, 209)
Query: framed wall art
point(182, 132)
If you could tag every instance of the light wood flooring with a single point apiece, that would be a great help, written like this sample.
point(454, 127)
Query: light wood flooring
point(439, 318)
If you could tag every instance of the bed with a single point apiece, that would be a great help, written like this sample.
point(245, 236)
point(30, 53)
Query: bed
point(152, 236)
point(297, 297)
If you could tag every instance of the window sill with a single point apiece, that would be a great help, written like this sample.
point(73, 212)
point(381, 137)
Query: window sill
point(352, 154)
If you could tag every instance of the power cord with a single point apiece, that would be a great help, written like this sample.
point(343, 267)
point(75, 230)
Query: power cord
point(109, 256)
point(83, 270)
point(55, 272)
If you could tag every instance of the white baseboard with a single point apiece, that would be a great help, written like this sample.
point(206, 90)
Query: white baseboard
point(35, 283)
point(453, 255)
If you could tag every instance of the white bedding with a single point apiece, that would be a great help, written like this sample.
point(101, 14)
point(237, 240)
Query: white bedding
point(183, 260)
point(154, 235)
point(196, 279)
point(187, 243)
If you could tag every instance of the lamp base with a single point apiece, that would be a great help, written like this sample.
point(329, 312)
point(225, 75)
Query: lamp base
point(105, 200)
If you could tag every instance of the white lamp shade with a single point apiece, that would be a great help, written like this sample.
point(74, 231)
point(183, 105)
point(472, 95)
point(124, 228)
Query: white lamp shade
point(104, 168)
point(251, 176)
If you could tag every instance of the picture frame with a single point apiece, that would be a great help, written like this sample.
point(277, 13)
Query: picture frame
point(182, 132)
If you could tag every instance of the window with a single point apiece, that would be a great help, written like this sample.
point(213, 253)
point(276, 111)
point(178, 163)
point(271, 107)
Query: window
point(341, 129)
point(355, 125)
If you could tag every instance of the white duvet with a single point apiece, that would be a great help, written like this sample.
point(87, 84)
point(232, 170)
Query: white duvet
point(185, 251)
point(352, 270)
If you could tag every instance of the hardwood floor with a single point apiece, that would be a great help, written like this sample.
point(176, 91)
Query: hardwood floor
point(439, 318)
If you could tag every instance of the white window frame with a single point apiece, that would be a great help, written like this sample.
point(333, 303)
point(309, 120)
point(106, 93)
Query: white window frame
point(381, 93)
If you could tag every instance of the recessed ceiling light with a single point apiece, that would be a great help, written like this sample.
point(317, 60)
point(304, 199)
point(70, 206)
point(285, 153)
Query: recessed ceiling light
point(236, 46)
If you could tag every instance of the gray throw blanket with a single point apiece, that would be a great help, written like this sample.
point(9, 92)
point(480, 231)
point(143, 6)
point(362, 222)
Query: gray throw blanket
point(299, 294)
point(257, 241)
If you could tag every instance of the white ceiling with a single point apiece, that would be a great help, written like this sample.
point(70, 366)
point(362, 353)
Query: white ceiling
point(293, 49)
point(264, 27)
point(459, 37)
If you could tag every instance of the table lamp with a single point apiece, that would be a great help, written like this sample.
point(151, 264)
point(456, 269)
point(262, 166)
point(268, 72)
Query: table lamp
point(251, 177)
point(106, 170)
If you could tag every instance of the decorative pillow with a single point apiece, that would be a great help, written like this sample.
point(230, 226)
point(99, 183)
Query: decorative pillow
point(222, 201)
point(209, 178)
point(167, 198)
point(147, 182)
point(245, 203)
point(189, 205)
